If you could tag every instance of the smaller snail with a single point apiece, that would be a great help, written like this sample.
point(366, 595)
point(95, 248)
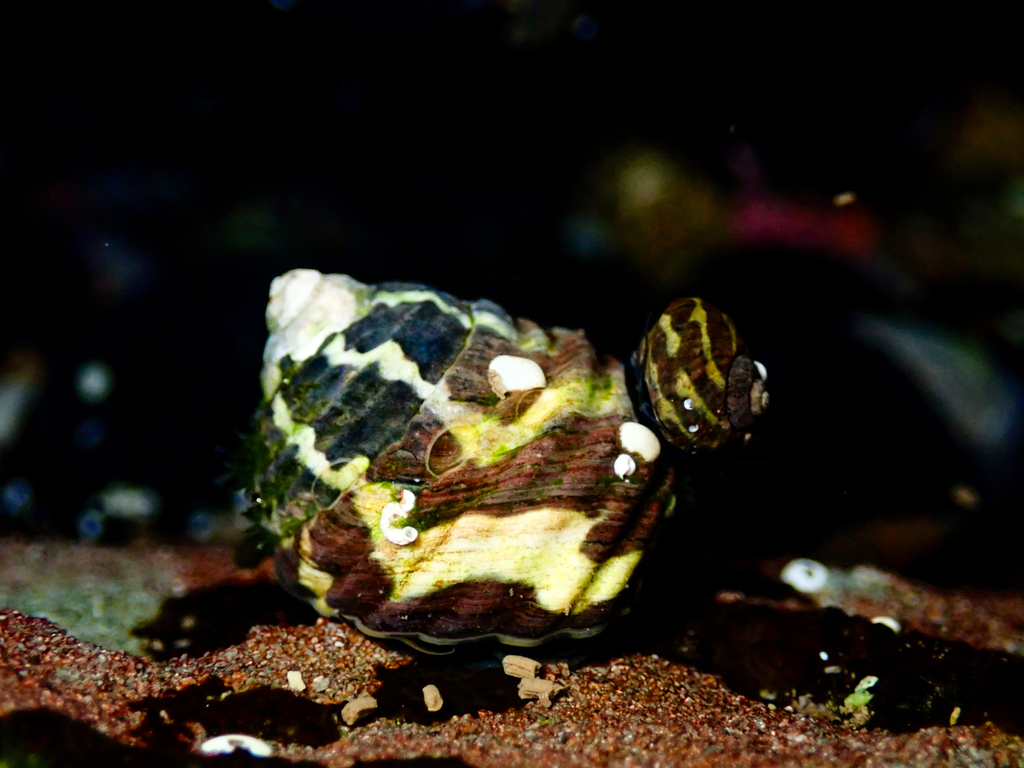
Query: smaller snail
point(704, 388)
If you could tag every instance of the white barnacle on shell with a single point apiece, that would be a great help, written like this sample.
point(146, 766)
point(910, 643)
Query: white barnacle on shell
point(398, 535)
point(508, 373)
point(305, 308)
point(636, 438)
point(805, 575)
point(624, 465)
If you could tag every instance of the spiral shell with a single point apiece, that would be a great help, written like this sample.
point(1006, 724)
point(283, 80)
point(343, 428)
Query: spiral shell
point(421, 492)
point(704, 388)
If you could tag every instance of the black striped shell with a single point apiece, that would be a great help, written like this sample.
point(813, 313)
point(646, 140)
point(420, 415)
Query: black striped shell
point(434, 471)
point(704, 388)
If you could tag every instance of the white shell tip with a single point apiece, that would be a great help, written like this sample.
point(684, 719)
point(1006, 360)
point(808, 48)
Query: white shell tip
point(507, 373)
point(805, 575)
point(624, 465)
point(761, 370)
point(229, 742)
point(638, 439)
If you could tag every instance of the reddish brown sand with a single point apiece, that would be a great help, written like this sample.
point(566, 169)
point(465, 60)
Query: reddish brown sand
point(637, 709)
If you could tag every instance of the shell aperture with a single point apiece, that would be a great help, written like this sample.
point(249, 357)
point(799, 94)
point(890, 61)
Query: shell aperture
point(406, 494)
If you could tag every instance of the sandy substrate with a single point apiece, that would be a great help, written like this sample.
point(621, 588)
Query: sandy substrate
point(286, 682)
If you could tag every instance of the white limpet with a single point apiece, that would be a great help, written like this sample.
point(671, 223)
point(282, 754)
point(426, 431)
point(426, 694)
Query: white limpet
point(805, 575)
point(688, 404)
point(407, 502)
point(229, 742)
point(624, 465)
point(507, 373)
point(638, 439)
point(693, 428)
point(762, 370)
point(399, 536)
point(888, 621)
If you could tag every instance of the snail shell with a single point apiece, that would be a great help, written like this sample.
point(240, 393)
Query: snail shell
point(704, 388)
point(402, 491)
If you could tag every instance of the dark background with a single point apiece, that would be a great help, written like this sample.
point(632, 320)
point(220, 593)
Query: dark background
point(161, 162)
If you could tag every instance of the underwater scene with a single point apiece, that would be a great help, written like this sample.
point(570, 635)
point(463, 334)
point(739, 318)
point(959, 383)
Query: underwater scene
point(510, 383)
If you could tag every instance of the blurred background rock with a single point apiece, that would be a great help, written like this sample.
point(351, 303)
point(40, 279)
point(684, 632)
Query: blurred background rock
point(851, 193)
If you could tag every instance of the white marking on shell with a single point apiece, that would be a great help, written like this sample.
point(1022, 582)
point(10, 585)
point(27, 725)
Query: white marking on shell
point(761, 370)
point(414, 296)
point(624, 465)
point(508, 373)
point(408, 501)
point(485, 319)
point(888, 621)
point(688, 404)
point(539, 548)
point(638, 439)
point(229, 742)
point(303, 437)
point(392, 364)
point(305, 308)
point(805, 575)
point(289, 294)
point(398, 536)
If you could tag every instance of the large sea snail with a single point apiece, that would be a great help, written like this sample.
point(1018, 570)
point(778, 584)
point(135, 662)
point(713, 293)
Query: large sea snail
point(432, 470)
